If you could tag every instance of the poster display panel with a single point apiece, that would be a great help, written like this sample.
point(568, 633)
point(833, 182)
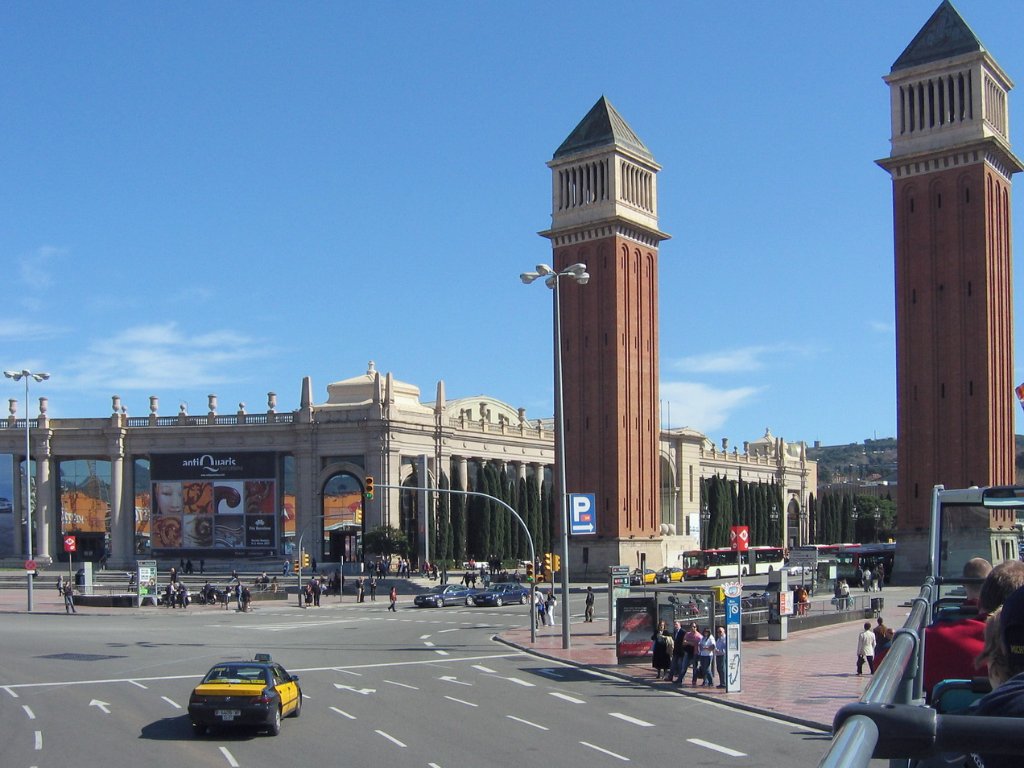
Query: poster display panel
point(635, 622)
point(214, 501)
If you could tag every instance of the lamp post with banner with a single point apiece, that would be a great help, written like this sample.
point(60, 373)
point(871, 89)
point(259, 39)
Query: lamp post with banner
point(578, 274)
point(29, 572)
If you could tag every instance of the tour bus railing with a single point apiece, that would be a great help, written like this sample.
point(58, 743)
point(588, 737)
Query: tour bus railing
point(890, 721)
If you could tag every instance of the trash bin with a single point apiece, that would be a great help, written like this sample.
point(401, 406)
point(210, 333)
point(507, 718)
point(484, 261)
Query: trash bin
point(80, 577)
point(877, 604)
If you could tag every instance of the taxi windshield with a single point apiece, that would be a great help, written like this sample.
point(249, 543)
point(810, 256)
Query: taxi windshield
point(236, 673)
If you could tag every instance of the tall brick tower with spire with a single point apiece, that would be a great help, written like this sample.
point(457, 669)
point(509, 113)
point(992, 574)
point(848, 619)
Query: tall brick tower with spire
point(951, 168)
point(604, 213)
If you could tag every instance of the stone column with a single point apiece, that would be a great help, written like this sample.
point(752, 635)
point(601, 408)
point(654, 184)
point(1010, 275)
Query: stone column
point(18, 512)
point(44, 508)
point(119, 537)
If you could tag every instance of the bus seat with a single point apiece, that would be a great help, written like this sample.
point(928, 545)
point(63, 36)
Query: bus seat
point(951, 697)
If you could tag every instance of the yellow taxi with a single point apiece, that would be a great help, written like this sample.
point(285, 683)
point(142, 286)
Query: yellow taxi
point(254, 693)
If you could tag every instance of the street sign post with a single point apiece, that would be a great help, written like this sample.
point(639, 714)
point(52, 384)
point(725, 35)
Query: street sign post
point(583, 517)
point(30, 566)
point(733, 637)
point(739, 540)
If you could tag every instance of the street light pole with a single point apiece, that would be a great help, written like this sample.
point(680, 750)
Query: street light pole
point(18, 376)
point(579, 274)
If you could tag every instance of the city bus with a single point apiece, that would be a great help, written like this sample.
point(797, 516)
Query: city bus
point(723, 563)
point(850, 561)
point(765, 559)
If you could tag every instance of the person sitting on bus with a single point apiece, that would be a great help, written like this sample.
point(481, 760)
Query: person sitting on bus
point(1004, 656)
point(952, 646)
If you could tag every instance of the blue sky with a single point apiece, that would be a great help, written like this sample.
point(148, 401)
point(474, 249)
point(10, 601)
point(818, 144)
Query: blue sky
point(225, 197)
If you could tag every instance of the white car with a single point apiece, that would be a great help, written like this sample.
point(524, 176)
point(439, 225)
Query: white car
point(797, 570)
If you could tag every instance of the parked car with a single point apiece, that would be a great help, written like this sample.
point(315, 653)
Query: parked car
point(450, 594)
point(669, 574)
point(502, 594)
point(647, 577)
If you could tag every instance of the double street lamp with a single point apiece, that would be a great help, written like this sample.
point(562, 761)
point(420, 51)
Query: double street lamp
point(578, 274)
point(26, 376)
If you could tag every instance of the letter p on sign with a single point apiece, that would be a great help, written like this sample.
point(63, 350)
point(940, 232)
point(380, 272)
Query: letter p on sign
point(582, 516)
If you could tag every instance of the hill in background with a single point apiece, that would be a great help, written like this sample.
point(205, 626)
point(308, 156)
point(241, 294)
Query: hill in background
point(872, 461)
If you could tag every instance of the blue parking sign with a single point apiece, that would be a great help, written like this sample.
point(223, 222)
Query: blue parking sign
point(582, 514)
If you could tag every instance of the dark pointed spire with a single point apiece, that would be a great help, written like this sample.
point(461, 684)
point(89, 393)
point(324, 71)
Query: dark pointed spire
point(603, 126)
point(943, 36)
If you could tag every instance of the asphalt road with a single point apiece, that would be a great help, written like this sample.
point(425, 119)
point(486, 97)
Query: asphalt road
point(423, 687)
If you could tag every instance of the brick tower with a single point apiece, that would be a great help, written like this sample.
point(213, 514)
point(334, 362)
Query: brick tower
point(604, 213)
point(951, 167)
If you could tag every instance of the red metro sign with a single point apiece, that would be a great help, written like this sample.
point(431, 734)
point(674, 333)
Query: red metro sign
point(739, 538)
point(70, 544)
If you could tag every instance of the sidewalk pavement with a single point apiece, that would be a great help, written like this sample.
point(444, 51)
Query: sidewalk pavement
point(804, 679)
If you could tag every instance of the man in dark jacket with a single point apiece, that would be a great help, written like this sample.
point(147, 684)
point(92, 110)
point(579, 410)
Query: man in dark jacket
point(1007, 700)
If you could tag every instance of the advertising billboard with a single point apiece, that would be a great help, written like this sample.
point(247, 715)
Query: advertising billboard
point(214, 501)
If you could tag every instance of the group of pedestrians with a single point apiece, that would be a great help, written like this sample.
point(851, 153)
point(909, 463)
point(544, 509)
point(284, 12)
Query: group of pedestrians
point(684, 648)
point(544, 607)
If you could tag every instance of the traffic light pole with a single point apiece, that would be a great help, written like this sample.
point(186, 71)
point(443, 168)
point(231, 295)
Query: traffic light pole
point(529, 538)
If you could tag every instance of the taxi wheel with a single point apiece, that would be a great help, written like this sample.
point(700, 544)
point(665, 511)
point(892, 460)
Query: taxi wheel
point(298, 706)
point(275, 725)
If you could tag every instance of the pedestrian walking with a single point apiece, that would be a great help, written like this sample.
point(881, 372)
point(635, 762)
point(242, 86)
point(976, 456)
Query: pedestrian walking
point(880, 576)
point(69, 598)
point(538, 604)
point(866, 649)
point(588, 611)
point(360, 590)
point(549, 608)
point(661, 656)
point(373, 590)
point(705, 654)
point(393, 597)
point(675, 671)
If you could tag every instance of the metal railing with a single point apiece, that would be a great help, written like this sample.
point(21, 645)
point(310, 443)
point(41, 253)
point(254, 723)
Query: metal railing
point(891, 721)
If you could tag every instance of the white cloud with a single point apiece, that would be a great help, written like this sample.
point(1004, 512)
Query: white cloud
point(36, 269)
point(23, 330)
point(702, 407)
point(161, 356)
point(881, 327)
point(739, 360)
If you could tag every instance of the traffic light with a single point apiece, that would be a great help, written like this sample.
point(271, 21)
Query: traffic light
point(295, 565)
point(369, 488)
point(529, 572)
point(556, 563)
point(305, 559)
point(547, 561)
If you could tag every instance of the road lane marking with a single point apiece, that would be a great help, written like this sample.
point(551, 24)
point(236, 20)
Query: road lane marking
point(173, 703)
point(364, 691)
point(343, 713)
point(429, 644)
point(442, 631)
point(402, 685)
point(462, 701)
point(551, 673)
point(566, 697)
point(229, 757)
point(453, 679)
point(390, 738)
point(527, 722)
point(632, 720)
point(29, 712)
point(717, 748)
point(102, 705)
point(199, 675)
point(482, 668)
point(424, 637)
point(39, 739)
point(134, 682)
point(440, 652)
point(605, 751)
point(517, 681)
